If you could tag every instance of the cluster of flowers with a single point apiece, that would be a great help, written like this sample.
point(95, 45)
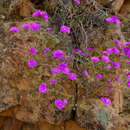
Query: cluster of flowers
point(36, 26)
point(63, 67)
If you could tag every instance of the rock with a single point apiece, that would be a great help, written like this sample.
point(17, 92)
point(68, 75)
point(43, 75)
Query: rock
point(20, 83)
point(92, 114)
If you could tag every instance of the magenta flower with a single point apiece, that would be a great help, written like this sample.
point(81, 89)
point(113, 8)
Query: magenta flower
point(128, 61)
point(94, 59)
point(49, 30)
point(14, 29)
point(55, 70)
point(60, 104)
point(109, 81)
point(99, 76)
point(108, 51)
point(128, 83)
point(108, 66)
point(65, 101)
point(32, 50)
point(53, 81)
point(68, 58)
point(58, 54)
point(85, 73)
point(109, 20)
point(118, 79)
point(121, 55)
point(105, 59)
point(113, 19)
point(72, 76)
point(115, 50)
point(83, 54)
point(106, 101)
point(32, 63)
point(43, 88)
point(36, 13)
point(126, 50)
point(46, 50)
point(40, 13)
point(126, 43)
point(89, 48)
point(128, 75)
point(118, 44)
point(63, 68)
point(25, 26)
point(65, 29)
point(77, 1)
point(35, 26)
point(115, 64)
point(44, 15)
point(76, 50)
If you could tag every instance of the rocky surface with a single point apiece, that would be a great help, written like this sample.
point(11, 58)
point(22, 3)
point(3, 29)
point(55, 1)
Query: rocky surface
point(23, 107)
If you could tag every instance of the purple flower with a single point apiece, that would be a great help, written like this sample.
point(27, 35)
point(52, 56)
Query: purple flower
point(128, 75)
point(60, 104)
point(83, 54)
point(49, 30)
point(72, 76)
point(108, 51)
point(113, 19)
point(117, 21)
point(108, 66)
point(109, 81)
point(40, 13)
point(65, 101)
point(85, 73)
point(109, 20)
point(43, 88)
point(26, 26)
point(106, 101)
point(121, 55)
point(77, 1)
point(14, 29)
point(35, 26)
point(36, 13)
point(126, 51)
point(79, 51)
point(53, 81)
point(68, 58)
point(58, 54)
point(118, 44)
point(115, 64)
point(46, 50)
point(115, 50)
point(99, 76)
point(89, 48)
point(44, 15)
point(105, 58)
point(32, 63)
point(118, 79)
point(126, 43)
point(128, 83)
point(32, 50)
point(55, 70)
point(76, 50)
point(65, 29)
point(128, 61)
point(117, 41)
point(94, 59)
point(63, 68)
